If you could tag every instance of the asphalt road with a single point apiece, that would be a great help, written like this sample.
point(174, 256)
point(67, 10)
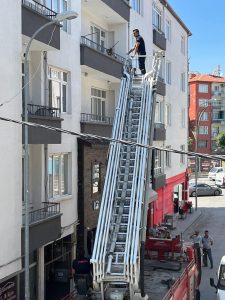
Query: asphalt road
point(212, 219)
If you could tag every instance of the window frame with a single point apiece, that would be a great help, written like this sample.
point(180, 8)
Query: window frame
point(168, 158)
point(183, 44)
point(51, 183)
point(168, 114)
point(183, 82)
point(168, 72)
point(63, 106)
point(93, 179)
point(205, 131)
point(137, 5)
point(156, 17)
point(182, 156)
point(202, 144)
point(202, 88)
point(168, 30)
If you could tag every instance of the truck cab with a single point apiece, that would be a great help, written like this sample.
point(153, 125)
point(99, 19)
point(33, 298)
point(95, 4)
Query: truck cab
point(220, 286)
point(220, 179)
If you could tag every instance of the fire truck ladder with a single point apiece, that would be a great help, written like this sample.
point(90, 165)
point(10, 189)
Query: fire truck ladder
point(116, 254)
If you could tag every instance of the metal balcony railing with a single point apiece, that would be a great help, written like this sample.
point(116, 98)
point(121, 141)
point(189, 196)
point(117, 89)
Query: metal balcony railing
point(158, 171)
point(107, 51)
point(43, 111)
point(159, 125)
point(39, 8)
point(90, 118)
point(48, 210)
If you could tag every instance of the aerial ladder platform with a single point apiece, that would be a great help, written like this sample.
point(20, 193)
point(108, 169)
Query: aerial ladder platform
point(122, 219)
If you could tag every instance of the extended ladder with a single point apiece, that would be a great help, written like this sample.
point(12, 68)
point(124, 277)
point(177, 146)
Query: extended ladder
point(116, 259)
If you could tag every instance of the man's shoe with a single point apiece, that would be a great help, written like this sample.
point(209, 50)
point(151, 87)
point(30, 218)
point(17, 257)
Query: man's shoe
point(211, 267)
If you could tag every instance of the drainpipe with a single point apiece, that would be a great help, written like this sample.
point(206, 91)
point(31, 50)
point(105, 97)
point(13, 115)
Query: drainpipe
point(46, 94)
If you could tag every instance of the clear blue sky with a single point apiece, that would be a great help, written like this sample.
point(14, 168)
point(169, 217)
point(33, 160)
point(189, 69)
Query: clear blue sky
point(206, 20)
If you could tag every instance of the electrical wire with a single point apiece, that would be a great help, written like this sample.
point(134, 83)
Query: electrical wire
point(32, 77)
point(86, 136)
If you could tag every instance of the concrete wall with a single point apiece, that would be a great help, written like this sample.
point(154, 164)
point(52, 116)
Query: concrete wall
point(10, 139)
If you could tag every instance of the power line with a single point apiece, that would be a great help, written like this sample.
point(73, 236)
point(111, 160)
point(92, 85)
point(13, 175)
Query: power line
point(86, 136)
point(32, 77)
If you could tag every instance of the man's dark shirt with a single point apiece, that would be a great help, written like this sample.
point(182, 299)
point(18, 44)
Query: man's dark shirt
point(82, 266)
point(141, 47)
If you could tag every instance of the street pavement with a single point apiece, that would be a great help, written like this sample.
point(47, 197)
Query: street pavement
point(211, 216)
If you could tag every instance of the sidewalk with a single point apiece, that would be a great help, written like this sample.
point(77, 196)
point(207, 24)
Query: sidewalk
point(183, 225)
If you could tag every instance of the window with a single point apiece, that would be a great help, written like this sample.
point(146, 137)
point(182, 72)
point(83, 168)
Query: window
point(58, 175)
point(99, 37)
point(204, 116)
point(182, 82)
point(203, 130)
point(158, 162)
point(137, 5)
point(59, 6)
point(156, 17)
point(98, 98)
point(159, 112)
point(182, 48)
point(168, 30)
point(168, 157)
point(182, 156)
point(203, 88)
point(168, 114)
point(96, 188)
point(202, 144)
point(23, 81)
point(168, 72)
point(183, 118)
point(203, 102)
point(58, 89)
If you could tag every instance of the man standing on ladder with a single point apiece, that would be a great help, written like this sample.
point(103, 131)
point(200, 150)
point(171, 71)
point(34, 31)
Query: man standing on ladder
point(139, 48)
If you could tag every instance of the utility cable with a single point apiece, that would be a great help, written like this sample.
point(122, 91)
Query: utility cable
point(32, 77)
point(86, 136)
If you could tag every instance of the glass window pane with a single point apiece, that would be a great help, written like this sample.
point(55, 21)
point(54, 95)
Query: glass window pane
point(95, 178)
point(65, 76)
point(50, 177)
point(64, 98)
point(55, 175)
point(64, 174)
point(56, 94)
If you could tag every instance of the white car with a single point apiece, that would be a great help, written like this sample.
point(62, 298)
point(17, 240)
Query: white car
point(212, 173)
point(220, 286)
point(220, 179)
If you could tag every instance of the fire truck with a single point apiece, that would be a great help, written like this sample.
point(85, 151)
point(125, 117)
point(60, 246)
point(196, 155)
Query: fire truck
point(126, 265)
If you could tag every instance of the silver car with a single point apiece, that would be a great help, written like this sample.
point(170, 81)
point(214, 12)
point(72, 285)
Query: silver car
point(204, 189)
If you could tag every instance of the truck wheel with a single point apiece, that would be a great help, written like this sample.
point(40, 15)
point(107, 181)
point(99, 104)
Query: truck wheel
point(193, 194)
point(216, 193)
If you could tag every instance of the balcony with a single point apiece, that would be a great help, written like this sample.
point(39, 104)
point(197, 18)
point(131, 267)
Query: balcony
point(100, 58)
point(121, 7)
point(159, 39)
point(96, 124)
point(159, 132)
point(159, 178)
point(45, 225)
point(34, 15)
point(43, 115)
point(161, 87)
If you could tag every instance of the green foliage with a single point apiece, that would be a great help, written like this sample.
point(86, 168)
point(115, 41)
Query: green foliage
point(221, 140)
point(190, 141)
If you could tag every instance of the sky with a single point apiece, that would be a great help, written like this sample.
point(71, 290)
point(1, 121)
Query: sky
point(206, 21)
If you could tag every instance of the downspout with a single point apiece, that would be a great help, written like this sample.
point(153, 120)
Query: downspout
point(46, 94)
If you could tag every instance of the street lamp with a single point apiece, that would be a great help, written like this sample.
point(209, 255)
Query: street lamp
point(196, 148)
point(69, 15)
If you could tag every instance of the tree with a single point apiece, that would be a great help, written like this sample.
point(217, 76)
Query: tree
point(221, 140)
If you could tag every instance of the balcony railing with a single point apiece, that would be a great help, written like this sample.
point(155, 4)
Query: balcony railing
point(158, 171)
point(90, 118)
point(106, 51)
point(43, 111)
point(49, 210)
point(40, 8)
point(159, 125)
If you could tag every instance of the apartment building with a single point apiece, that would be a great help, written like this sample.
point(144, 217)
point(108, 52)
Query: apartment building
point(206, 111)
point(54, 100)
point(162, 29)
point(103, 46)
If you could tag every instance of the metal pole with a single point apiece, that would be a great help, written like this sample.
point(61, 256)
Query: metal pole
point(26, 161)
point(196, 177)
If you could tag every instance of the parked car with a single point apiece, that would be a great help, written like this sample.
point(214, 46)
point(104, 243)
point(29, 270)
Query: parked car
point(220, 285)
point(204, 189)
point(220, 179)
point(212, 173)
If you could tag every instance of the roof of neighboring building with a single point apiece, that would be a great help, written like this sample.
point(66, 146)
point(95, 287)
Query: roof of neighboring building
point(207, 78)
point(170, 9)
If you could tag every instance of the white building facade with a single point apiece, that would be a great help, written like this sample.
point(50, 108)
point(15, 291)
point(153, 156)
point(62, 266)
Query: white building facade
point(162, 29)
point(54, 100)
